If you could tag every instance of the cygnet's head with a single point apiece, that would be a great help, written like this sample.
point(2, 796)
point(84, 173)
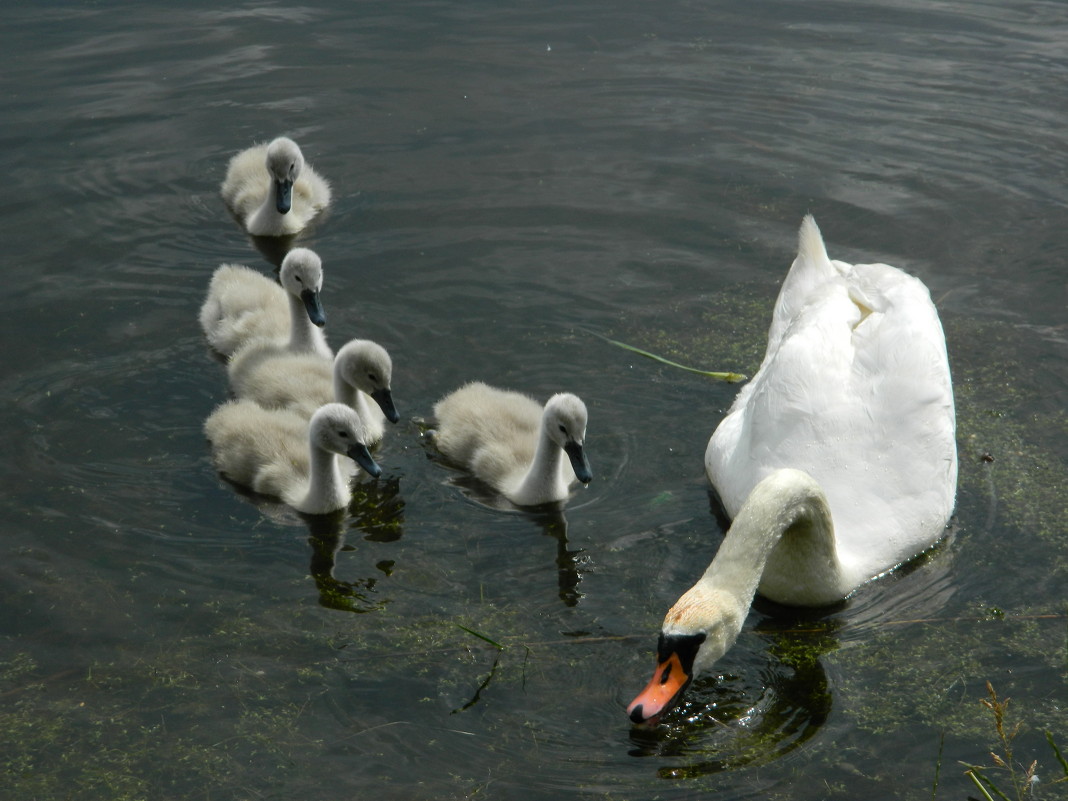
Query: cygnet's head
point(564, 420)
point(337, 428)
point(366, 365)
point(284, 163)
point(301, 275)
point(698, 630)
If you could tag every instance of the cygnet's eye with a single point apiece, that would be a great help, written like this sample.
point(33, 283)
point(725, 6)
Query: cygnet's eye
point(343, 434)
point(563, 429)
point(372, 378)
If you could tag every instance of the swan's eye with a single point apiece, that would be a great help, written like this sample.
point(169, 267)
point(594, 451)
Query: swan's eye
point(563, 430)
point(372, 378)
point(343, 434)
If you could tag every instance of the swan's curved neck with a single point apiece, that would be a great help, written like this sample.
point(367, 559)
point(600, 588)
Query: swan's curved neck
point(545, 473)
point(325, 482)
point(304, 335)
point(782, 542)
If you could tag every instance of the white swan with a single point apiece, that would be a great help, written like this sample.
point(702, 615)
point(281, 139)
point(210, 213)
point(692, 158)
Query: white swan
point(360, 373)
point(244, 305)
point(271, 191)
point(279, 453)
point(510, 442)
point(837, 462)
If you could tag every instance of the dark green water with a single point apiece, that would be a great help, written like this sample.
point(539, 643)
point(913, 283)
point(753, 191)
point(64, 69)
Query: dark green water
point(508, 179)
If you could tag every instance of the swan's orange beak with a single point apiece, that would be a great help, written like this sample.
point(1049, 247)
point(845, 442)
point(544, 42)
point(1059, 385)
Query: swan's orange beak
point(660, 694)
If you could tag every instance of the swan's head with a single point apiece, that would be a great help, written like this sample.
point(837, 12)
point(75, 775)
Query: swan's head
point(698, 630)
point(301, 275)
point(284, 163)
point(366, 365)
point(564, 420)
point(337, 428)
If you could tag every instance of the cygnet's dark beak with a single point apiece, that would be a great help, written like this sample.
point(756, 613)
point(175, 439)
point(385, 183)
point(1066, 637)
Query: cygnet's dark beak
point(579, 461)
point(359, 454)
point(283, 196)
point(384, 399)
point(314, 307)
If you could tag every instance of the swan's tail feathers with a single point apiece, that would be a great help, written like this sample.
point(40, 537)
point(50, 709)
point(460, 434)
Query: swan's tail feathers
point(810, 242)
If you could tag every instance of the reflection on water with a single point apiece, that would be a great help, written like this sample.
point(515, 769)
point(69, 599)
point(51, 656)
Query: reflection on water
point(729, 721)
point(755, 714)
point(377, 510)
point(273, 249)
point(548, 517)
point(507, 177)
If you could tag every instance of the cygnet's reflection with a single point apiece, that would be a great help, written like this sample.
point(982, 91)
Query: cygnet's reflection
point(549, 517)
point(377, 510)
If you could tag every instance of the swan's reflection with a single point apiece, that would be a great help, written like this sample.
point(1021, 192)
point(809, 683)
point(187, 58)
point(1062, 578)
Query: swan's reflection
point(377, 509)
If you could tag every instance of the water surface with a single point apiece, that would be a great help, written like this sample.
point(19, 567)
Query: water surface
point(510, 181)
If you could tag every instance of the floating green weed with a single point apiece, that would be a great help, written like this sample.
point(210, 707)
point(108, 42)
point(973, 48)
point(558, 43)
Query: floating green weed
point(729, 377)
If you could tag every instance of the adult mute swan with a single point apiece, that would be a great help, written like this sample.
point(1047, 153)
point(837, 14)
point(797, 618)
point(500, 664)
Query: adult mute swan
point(279, 453)
point(837, 462)
point(509, 441)
point(360, 373)
point(244, 305)
point(271, 191)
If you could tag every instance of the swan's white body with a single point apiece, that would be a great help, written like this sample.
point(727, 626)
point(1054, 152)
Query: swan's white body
point(359, 376)
point(271, 191)
point(855, 390)
point(244, 306)
point(837, 462)
point(280, 453)
point(510, 442)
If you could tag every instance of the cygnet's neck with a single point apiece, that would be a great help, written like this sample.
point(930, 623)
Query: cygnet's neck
point(782, 541)
point(544, 479)
point(304, 335)
point(266, 220)
point(327, 489)
point(347, 393)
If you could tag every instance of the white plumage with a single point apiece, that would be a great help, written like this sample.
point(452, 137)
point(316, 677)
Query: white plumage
point(510, 442)
point(360, 376)
point(244, 306)
point(280, 453)
point(271, 191)
point(855, 390)
point(837, 462)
